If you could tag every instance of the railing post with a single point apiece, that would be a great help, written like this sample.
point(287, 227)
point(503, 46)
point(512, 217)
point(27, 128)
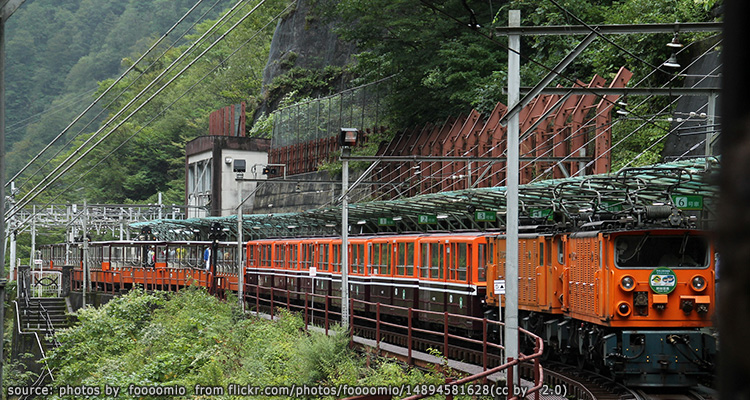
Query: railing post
point(307, 321)
point(445, 334)
point(377, 328)
point(326, 320)
point(351, 320)
point(536, 368)
point(24, 280)
point(509, 378)
point(271, 303)
point(408, 338)
point(484, 345)
point(257, 298)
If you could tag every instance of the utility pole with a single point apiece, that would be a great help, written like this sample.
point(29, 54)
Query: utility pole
point(511, 239)
point(347, 139)
point(85, 256)
point(7, 8)
point(345, 239)
point(240, 239)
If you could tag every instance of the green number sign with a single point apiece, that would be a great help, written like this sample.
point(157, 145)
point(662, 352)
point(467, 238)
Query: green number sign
point(427, 219)
point(386, 221)
point(485, 216)
point(688, 202)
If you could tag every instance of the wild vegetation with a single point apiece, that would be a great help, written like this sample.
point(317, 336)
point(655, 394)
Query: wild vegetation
point(191, 338)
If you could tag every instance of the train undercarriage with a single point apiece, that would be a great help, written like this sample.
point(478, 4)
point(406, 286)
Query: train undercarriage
point(636, 357)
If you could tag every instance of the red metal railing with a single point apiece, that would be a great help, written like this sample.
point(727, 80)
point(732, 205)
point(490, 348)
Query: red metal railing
point(286, 296)
point(304, 301)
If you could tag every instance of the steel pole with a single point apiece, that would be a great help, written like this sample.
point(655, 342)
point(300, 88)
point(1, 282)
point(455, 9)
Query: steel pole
point(511, 244)
point(241, 268)
point(3, 279)
point(345, 239)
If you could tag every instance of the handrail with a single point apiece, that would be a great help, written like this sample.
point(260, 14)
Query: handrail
point(538, 349)
point(538, 372)
point(36, 336)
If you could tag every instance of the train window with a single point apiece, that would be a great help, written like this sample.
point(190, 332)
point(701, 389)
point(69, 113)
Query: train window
point(251, 255)
point(436, 260)
point(278, 259)
point(409, 259)
point(357, 262)
point(336, 259)
point(307, 256)
point(374, 258)
point(560, 252)
point(651, 251)
point(385, 259)
point(323, 257)
point(464, 250)
point(541, 253)
point(361, 258)
point(482, 262)
point(400, 259)
point(424, 266)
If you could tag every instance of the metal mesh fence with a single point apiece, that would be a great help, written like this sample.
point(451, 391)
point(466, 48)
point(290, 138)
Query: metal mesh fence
point(359, 107)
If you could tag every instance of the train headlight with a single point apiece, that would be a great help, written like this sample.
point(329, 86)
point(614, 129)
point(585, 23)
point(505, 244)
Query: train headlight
point(623, 309)
point(627, 283)
point(698, 283)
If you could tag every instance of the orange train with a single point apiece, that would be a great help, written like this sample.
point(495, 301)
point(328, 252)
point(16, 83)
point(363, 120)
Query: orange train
point(633, 302)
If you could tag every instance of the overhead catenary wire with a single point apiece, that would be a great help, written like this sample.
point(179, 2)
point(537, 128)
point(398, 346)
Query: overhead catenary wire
point(120, 94)
point(464, 168)
point(18, 125)
point(34, 193)
point(122, 76)
point(188, 90)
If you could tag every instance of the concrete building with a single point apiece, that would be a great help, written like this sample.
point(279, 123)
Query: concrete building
point(211, 167)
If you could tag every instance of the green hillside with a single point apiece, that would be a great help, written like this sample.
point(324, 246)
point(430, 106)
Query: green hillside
point(444, 55)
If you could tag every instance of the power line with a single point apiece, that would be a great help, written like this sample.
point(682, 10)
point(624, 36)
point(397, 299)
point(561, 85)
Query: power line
point(32, 194)
point(124, 90)
point(101, 96)
point(190, 89)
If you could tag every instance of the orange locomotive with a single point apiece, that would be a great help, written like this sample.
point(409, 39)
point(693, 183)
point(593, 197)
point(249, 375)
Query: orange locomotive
point(628, 301)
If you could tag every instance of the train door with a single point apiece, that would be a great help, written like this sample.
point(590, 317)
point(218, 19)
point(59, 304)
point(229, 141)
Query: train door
point(321, 280)
point(458, 259)
point(106, 263)
point(432, 278)
point(161, 256)
point(336, 273)
point(405, 284)
point(358, 288)
point(378, 269)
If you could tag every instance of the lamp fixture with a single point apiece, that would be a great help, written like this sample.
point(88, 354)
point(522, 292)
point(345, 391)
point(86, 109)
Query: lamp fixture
point(675, 43)
point(672, 62)
point(348, 137)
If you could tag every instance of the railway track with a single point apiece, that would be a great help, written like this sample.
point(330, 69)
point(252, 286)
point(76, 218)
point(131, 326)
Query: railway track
point(562, 381)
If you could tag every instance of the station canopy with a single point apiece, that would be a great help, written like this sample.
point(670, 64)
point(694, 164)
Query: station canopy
point(688, 185)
